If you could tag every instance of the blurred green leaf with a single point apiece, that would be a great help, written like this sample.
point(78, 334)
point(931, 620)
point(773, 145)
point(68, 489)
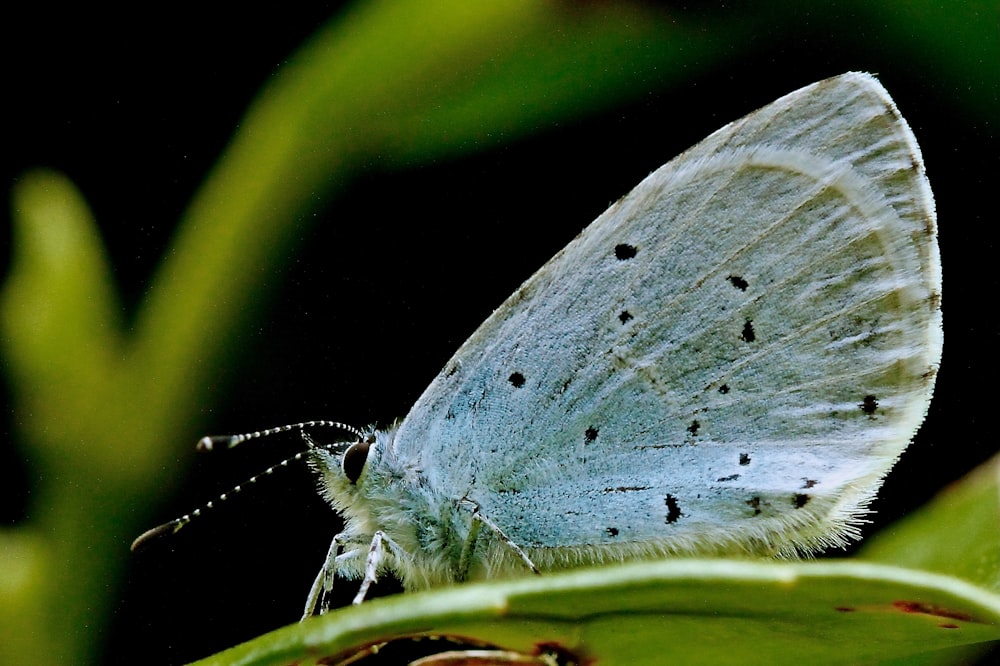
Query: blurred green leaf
point(957, 534)
point(60, 311)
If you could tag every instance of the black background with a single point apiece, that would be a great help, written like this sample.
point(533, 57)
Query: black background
point(400, 269)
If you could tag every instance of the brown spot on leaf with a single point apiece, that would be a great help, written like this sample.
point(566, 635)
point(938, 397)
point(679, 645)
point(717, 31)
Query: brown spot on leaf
point(924, 608)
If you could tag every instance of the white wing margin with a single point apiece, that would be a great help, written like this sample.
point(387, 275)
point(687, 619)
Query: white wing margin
point(728, 359)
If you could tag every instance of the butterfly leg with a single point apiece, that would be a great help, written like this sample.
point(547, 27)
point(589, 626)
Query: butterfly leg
point(480, 518)
point(324, 579)
point(323, 585)
point(468, 548)
point(380, 542)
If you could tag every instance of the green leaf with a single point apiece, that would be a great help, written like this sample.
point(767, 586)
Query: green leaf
point(681, 611)
point(957, 533)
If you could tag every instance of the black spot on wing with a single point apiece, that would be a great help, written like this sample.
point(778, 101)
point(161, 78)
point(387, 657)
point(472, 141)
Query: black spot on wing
point(934, 300)
point(590, 435)
point(612, 531)
point(799, 500)
point(809, 483)
point(625, 316)
point(624, 251)
point(724, 389)
point(748, 334)
point(673, 509)
point(738, 282)
point(754, 503)
point(731, 477)
point(516, 379)
point(693, 428)
point(869, 404)
point(744, 458)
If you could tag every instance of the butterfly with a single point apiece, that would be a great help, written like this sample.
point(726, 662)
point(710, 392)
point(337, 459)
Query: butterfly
point(726, 362)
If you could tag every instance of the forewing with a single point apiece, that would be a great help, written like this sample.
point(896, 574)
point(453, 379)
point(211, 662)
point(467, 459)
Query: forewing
point(730, 357)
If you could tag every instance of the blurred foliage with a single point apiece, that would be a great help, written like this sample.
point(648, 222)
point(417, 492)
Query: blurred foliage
point(100, 408)
point(958, 534)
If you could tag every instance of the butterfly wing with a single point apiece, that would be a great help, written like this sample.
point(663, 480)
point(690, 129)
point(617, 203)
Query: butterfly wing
point(729, 359)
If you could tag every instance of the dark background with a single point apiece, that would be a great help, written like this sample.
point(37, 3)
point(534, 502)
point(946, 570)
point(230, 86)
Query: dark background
point(400, 269)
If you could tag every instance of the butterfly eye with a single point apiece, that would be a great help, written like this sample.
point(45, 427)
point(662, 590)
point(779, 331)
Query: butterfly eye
point(355, 458)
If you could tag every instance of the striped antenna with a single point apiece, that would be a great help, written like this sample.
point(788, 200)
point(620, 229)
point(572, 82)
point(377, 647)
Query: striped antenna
point(229, 441)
